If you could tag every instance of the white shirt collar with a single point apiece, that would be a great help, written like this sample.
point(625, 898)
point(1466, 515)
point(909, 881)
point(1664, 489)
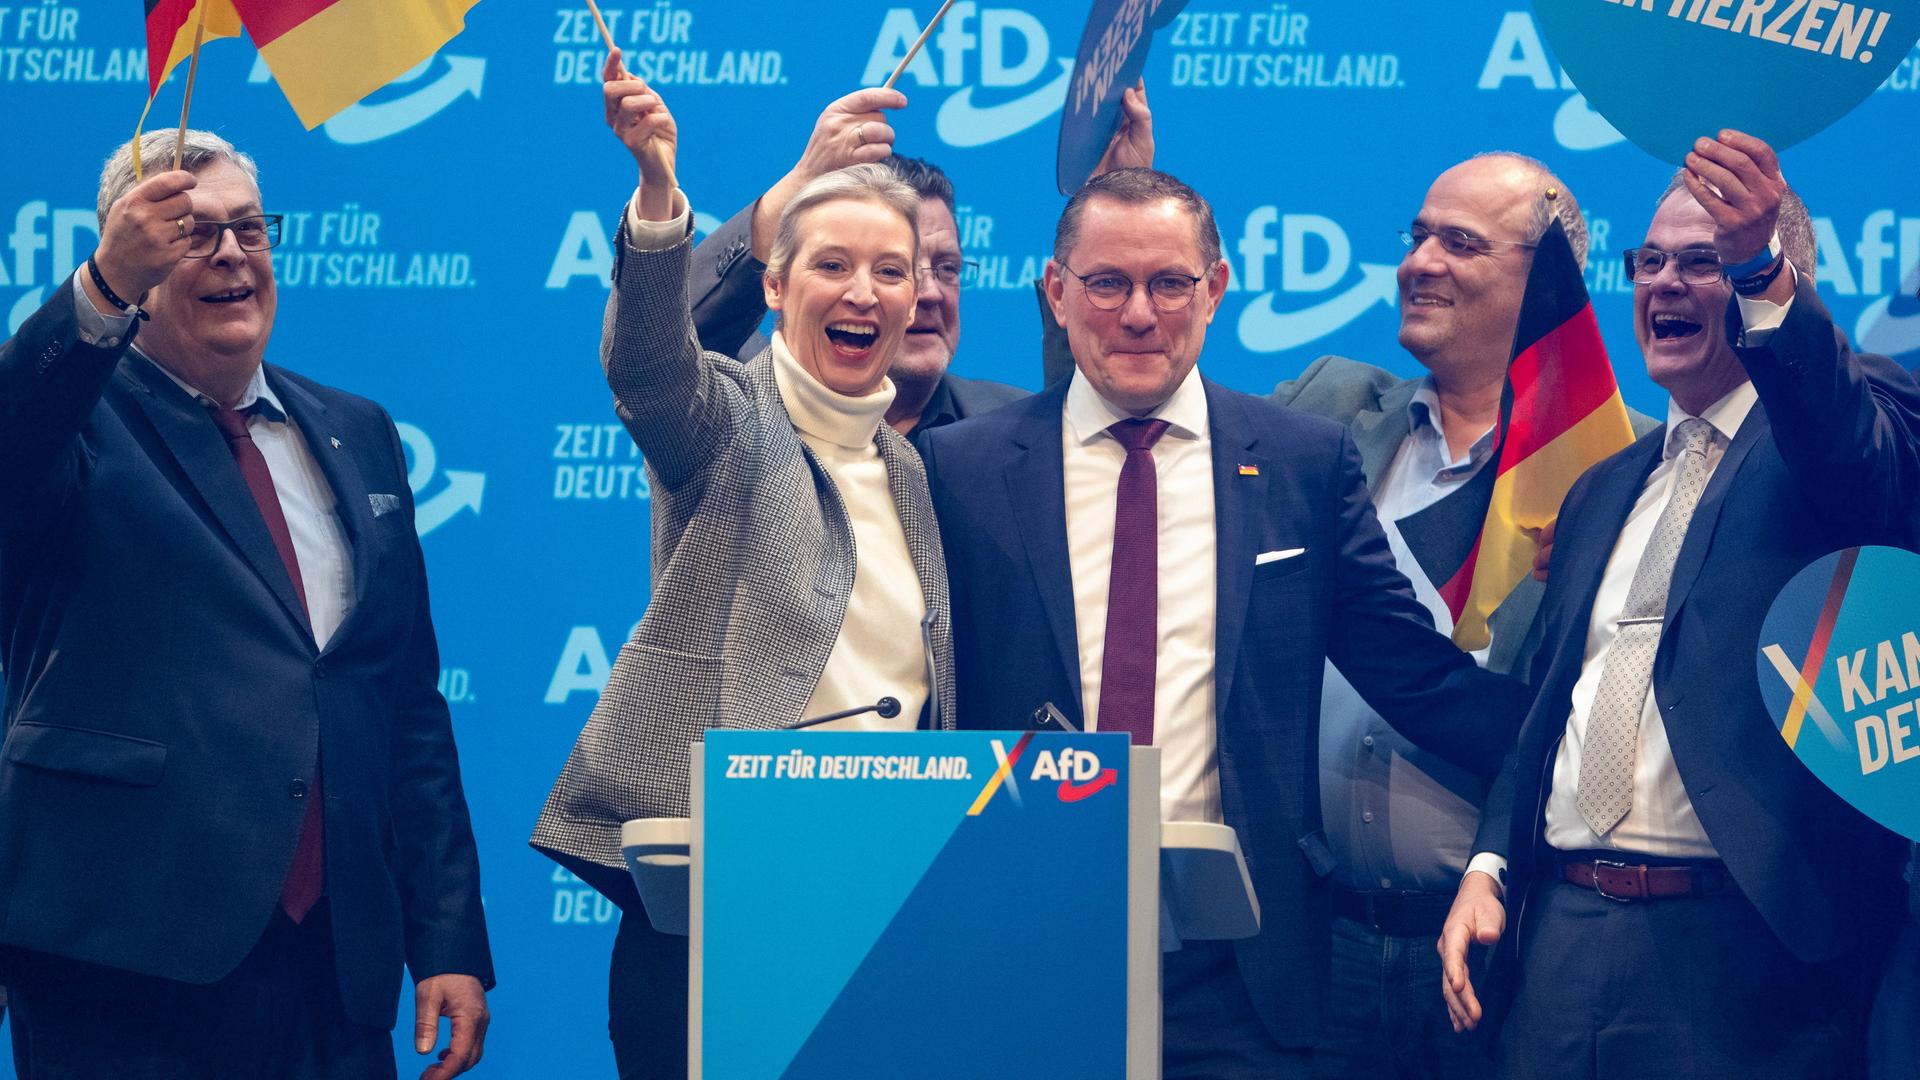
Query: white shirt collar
point(824, 413)
point(1726, 416)
point(1423, 410)
point(1088, 415)
point(257, 391)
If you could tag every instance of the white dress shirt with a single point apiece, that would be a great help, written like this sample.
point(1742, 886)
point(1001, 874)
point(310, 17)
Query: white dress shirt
point(1183, 699)
point(306, 499)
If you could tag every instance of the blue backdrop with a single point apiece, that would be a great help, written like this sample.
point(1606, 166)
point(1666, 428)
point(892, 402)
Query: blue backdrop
point(447, 254)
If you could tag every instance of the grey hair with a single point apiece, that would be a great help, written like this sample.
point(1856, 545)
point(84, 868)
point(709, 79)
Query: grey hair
point(870, 182)
point(1794, 226)
point(1136, 187)
point(1561, 205)
point(202, 148)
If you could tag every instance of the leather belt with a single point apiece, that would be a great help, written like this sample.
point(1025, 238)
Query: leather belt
point(1633, 881)
point(1395, 914)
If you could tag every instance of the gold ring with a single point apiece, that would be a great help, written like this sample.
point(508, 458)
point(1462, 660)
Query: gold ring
point(860, 133)
point(181, 224)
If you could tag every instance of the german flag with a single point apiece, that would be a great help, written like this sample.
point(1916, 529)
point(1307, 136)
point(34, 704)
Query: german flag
point(1560, 413)
point(170, 30)
point(328, 54)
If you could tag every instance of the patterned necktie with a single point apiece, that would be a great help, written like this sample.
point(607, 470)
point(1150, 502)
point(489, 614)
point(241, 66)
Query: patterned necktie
point(307, 874)
point(1127, 664)
point(1605, 786)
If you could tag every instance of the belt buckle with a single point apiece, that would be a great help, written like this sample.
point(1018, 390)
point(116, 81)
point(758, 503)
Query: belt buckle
point(1602, 889)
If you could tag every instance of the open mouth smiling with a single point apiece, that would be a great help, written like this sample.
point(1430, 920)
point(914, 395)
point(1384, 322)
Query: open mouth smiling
point(1667, 326)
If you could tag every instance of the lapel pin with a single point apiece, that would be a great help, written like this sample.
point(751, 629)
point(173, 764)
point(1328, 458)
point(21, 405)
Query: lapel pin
point(336, 443)
point(1249, 470)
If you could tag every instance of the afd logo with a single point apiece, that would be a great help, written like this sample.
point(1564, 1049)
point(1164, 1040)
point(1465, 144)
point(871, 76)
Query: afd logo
point(1879, 259)
point(1024, 82)
point(42, 248)
point(586, 247)
point(369, 122)
point(1519, 53)
point(1315, 257)
point(462, 490)
point(1077, 771)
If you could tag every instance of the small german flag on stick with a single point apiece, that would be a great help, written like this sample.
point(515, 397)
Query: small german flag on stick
point(328, 54)
point(175, 31)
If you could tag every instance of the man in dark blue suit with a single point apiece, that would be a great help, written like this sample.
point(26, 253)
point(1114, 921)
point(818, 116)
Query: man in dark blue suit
point(1156, 554)
point(1687, 899)
point(229, 803)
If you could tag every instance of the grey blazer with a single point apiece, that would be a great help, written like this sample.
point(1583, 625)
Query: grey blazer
point(753, 563)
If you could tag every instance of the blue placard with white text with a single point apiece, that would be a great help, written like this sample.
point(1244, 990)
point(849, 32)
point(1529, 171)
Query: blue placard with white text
point(936, 905)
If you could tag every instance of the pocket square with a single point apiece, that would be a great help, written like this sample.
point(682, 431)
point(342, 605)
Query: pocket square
point(1266, 557)
point(383, 503)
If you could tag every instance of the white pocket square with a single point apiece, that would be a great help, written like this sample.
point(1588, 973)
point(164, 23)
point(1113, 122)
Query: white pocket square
point(383, 503)
point(1266, 557)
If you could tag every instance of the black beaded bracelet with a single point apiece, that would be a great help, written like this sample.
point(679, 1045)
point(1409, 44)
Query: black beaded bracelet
point(100, 282)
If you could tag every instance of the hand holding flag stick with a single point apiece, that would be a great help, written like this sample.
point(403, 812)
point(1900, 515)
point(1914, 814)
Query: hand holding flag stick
point(606, 35)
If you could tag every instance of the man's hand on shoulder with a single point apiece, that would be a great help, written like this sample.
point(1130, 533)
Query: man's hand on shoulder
point(463, 1002)
point(1478, 917)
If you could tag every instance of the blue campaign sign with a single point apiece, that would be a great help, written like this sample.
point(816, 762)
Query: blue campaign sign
point(879, 905)
point(1113, 52)
point(1839, 669)
point(1665, 72)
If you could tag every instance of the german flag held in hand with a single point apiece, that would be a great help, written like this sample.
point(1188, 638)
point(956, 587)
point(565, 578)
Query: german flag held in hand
point(328, 54)
point(1560, 413)
point(171, 25)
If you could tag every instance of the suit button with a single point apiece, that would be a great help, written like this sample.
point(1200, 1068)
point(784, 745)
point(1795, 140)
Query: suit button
point(297, 789)
point(1367, 742)
point(319, 669)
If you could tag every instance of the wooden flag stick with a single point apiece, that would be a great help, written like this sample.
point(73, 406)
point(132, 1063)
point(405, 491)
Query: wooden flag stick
point(605, 34)
point(911, 53)
point(193, 68)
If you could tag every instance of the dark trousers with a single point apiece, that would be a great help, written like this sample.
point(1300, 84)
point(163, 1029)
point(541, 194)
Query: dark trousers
point(1384, 1019)
point(647, 1000)
point(276, 1015)
point(1212, 1032)
point(1681, 988)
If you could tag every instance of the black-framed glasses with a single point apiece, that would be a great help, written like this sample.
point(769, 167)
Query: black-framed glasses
point(1456, 241)
point(1108, 290)
point(950, 273)
point(255, 232)
point(1695, 265)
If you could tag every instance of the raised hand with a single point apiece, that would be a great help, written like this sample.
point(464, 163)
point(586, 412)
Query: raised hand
point(146, 235)
point(640, 119)
point(1736, 179)
point(1132, 144)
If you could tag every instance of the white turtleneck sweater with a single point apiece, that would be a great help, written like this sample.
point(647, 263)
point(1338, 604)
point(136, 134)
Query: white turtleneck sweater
point(878, 652)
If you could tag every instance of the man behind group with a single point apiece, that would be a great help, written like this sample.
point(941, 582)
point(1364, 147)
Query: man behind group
point(1696, 903)
point(728, 302)
point(1399, 820)
point(1199, 622)
point(230, 806)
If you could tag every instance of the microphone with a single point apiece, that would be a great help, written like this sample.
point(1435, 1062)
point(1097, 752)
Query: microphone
point(886, 707)
point(1048, 717)
point(930, 719)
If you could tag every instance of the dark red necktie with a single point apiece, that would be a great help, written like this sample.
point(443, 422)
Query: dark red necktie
point(1127, 664)
point(301, 890)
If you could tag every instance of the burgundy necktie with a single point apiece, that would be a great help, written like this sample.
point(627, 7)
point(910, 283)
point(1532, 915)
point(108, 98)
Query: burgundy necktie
point(301, 890)
point(1127, 664)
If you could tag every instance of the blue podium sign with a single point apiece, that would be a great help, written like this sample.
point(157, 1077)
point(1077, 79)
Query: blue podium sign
point(943, 904)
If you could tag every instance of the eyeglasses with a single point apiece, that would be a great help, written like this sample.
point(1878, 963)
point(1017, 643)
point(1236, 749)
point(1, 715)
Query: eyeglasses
point(1108, 290)
point(949, 272)
point(1456, 241)
point(1695, 265)
point(257, 232)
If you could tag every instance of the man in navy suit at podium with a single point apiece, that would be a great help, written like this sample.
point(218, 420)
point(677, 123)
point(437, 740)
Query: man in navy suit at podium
point(1156, 554)
point(229, 803)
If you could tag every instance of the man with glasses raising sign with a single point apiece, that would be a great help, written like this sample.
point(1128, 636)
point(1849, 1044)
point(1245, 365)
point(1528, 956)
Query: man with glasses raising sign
point(1158, 555)
point(229, 802)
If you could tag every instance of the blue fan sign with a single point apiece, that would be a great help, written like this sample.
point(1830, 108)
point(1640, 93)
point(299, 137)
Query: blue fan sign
point(1840, 672)
point(1113, 53)
point(1666, 72)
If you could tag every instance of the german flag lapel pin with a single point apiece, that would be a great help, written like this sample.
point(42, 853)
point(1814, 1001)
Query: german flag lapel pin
point(1249, 470)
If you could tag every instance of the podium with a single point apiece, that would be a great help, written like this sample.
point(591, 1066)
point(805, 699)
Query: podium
point(931, 904)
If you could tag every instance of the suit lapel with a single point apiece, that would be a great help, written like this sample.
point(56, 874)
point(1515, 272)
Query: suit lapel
point(1616, 488)
point(1378, 432)
point(340, 465)
point(1693, 549)
point(1036, 486)
point(1239, 508)
point(188, 432)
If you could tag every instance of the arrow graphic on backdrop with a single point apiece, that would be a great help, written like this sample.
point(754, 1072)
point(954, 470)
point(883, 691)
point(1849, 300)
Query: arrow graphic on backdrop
point(1891, 324)
point(961, 123)
point(364, 123)
point(1577, 127)
point(24, 308)
point(1263, 329)
point(463, 491)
